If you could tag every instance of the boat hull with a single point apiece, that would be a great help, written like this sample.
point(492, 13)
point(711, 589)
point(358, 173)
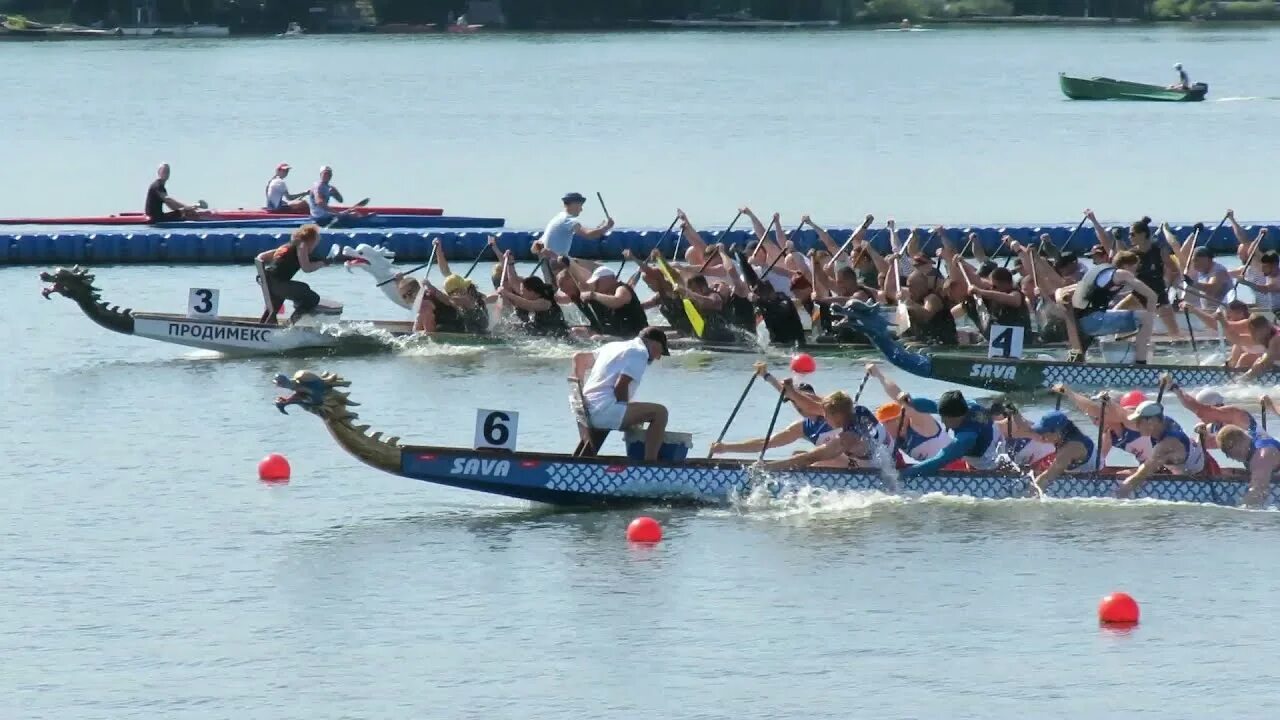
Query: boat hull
point(1107, 89)
point(137, 218)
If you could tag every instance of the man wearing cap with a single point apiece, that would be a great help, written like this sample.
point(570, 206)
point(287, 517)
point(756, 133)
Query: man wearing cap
point(975, 437)
point(811, 426)
point(614, 304)
point(560, 231)
point(321, 194)
point(1171, 449)
point(1184, 83)
point(279, 199)
point(616, 371)
point(1261, 459)
point(1118, 432)
point(1212, 410)
point(1073, 451)
point(1209, 279)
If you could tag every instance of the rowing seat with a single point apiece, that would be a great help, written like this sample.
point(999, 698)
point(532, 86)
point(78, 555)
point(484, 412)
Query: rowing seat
point(590, 439)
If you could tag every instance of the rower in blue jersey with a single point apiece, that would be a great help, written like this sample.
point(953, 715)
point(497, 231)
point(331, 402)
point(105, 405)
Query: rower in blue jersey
point(811, 426)
point(1171, 449)
point(856, 444)
point(1211, 408)
point(975, 438)
point(1261, 458)
point(1073, 451)
point(918, 435)
point(1119, 433)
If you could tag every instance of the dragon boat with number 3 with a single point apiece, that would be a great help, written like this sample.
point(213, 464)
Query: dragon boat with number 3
point(1011, 374)
point(493, 466)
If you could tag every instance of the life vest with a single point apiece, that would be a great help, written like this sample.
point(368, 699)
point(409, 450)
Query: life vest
point(1095, 290)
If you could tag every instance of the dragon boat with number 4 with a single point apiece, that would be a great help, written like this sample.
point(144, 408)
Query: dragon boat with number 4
point(1011, 373)
point(494, 466)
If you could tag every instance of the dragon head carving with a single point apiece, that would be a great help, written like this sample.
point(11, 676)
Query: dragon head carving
point(864, 316)
point(75, 283)
point(317, 393)
point(377, 261)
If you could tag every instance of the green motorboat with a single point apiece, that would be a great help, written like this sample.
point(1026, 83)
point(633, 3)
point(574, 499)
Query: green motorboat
point(1101, 88)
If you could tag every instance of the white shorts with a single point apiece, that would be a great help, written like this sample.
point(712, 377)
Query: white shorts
point(607, 416)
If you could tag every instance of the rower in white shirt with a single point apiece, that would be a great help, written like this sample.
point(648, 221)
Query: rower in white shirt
point(279, 199)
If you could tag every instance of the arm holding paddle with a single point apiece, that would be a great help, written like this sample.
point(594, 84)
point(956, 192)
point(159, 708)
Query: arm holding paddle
point(788, 435)
point(441, 261)
point(1104, 237)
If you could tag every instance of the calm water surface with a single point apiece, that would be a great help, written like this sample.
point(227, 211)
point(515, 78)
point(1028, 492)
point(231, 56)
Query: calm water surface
point(148, 574)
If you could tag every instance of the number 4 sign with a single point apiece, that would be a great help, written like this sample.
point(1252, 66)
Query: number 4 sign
point(1006, 341)
point(202, 303)
point(496, 429)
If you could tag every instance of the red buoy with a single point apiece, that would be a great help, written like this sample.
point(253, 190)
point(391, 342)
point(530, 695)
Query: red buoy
point(803, 364)
point(273, 468)
point(644, 530)
point(1118, 609)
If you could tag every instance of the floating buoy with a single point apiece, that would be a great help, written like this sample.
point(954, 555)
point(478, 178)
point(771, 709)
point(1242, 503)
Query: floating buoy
point(1118, 609)
point(644, 530)
point(274, 468)
point(803, 364)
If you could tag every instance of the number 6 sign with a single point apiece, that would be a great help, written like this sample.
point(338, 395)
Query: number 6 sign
point(496, 429)
point(202, 303)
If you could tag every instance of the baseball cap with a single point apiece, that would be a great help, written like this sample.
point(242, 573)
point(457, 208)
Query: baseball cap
point(456, 283)
point(1098, 250)
point(282, 166)
point(656, 335)
point(1211, 397)
point(601, 272)
point(1054, 421)
point(1148, 409)
point(573, 197)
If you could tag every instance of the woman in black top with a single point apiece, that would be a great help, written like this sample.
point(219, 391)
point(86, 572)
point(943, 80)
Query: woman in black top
point(281, 264)
point(536, 307)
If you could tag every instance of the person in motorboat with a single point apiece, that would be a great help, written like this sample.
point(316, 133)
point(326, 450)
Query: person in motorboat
point(321, 194)
point(565, 226)
point(975, 438)
point(1261, 458)
point(158, 199)
point(1212, 410)
point(280, 265)
point(613, 373)
point(1171, 449)
point(916, 434)
point(1208, 278)
point(279, 199)
point(1184, 83)
point(853, 445)
point(1073, 451)
point(1089, 302)
point(1267, 336)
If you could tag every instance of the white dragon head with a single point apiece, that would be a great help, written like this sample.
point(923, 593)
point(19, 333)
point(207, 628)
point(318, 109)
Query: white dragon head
point(377, 261)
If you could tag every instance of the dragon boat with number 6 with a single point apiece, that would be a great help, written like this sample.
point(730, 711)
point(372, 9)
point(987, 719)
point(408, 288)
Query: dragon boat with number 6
point(614, 481)
point(1024, 374)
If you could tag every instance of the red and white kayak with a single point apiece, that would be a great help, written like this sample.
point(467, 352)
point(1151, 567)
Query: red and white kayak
point(137, 218)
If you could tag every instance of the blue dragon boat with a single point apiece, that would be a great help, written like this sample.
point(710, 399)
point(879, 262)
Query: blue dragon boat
point(1025, 374)
point(571, 480)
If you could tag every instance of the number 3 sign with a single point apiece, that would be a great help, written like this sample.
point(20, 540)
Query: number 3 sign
point(496, 429)
point(202, 303)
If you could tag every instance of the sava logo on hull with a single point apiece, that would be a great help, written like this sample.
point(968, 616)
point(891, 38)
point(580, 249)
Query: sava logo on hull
point(995, 372)
point(476, 466)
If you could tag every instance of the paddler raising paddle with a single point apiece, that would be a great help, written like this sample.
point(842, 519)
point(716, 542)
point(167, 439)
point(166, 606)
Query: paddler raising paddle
point(1267, 337)
point(158, 199)
point(560, 231)
point(1073, 451)
point(1212, 410)
point(279, 199)
point(1090, 302)
point(281, 264)
point(1171, 449)
point(976, 439)
point(321, 194)
point(1261, 458)
point(853, 443)
point(616, 370)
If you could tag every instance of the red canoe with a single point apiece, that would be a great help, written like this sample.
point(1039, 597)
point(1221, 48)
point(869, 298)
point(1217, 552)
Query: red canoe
point(136, 218)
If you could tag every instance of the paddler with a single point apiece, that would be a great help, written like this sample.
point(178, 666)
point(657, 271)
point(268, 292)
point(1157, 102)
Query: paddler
point(854, 444)
point(1171, 449)
point(918, 435)
point(1073, 451)
point(975, 438)
point(1090, 302)
point(1209, 279)
point(321, 194)
point(561, 229)
point(1156, 268)
point(158, 199)
point(279, 199)
point(614, 304)
point(931, 318)
point(1211, 409)
point(1261, 458)
point(1118, 433)
point(534, 300)
point(811, 426)
point(616, 370)
point(1267, 337)
point(282, 263)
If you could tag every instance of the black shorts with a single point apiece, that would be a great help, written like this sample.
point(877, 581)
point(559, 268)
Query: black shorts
point(171, 216)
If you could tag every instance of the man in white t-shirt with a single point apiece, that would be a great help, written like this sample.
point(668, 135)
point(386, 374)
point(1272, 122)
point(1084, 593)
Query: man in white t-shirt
point(558, 237)
point(279, 199)
point(616, 370)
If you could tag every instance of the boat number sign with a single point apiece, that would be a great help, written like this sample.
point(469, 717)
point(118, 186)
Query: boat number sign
point(1006, 341)
point(496, 429)
point(202, 303)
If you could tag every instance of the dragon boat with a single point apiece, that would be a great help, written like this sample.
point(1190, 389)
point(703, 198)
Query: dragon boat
point(620, 481)
point(1026, 374)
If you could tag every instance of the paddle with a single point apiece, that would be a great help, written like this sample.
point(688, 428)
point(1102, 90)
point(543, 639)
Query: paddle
point(1186, 313)
point(1163, 385)
point(1263, 403)
point(719, 239)
point(858, 395)
point(1102, 417)
point(1214, 234)
point(480, 255)
point(346, 213)
point(430, 261)
point(782, 395)
point(725, 430)
point(844, 250)
point(604, 207)
point(695, 318)
point(1070, 237)
point(1235, 284)
point(659, 245)
point(904, 316)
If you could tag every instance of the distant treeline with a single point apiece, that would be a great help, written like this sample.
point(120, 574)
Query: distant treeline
point(273, 15)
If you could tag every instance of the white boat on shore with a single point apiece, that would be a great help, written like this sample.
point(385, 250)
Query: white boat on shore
point(196, 30)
